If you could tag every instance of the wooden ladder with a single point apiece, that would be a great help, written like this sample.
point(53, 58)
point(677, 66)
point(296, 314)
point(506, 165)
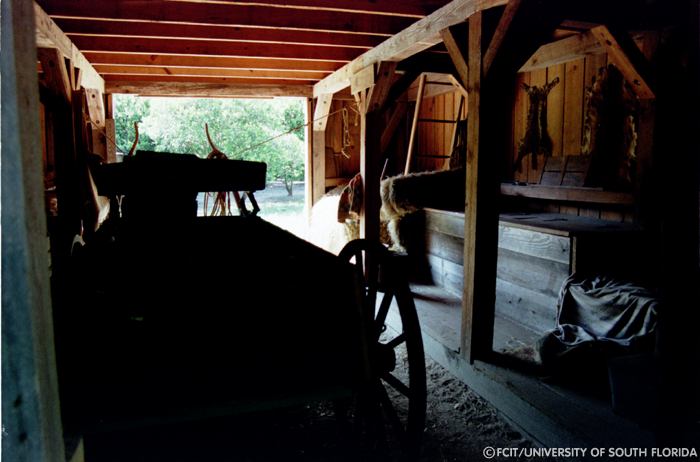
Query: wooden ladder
point(416, 120)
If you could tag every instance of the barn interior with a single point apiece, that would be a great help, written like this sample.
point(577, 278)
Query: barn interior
point(533, 165)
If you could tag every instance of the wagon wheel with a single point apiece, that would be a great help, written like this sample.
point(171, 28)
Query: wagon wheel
point(397, 362)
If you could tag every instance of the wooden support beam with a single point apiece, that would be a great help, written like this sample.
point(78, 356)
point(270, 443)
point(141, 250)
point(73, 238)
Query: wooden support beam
point(318, 158)
point(455, 49)
point(618, 57)
point(204, 90)
point(490, 104)
point(414, 125)
point(308, 165)
point(49, 35)
point(55, 72)
point(568, 49)
point(31, 414)
point(499, 35)
point(370, 169)
point(396, 117)
point(362, 80)
point(419, 36)
point(323, 107)
point(470, 336)
point(383, 82)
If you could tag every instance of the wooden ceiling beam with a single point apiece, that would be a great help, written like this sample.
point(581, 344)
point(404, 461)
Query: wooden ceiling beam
point(419, 36)
point(170, 61)
point(144, 29)
point(213, 48)
point(106, 69)
point(233, 14)
point(206, 90)
point(205, 79)
point(49, 35)
point(410, 8)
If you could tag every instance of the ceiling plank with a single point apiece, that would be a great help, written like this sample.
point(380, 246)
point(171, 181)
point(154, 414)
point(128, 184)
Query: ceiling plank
point(212, 80)
point(136, 59)
point(417, 37)
point(49, 35)
point(145, 29)
point(215, 48)
point(203, 71)
point(412, 8)
point(206, 90)
point(234, 14)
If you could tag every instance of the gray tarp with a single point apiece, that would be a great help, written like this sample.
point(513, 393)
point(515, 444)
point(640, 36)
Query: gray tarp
point(601, 311)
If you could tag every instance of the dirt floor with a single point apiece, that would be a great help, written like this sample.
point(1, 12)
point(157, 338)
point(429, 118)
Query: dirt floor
point(459, 426)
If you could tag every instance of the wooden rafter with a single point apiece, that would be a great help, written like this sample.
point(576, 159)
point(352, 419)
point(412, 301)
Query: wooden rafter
point(214, 62)
point(148, 30)
point(232, 14)
point(204, 90)
point(213, 47)
point(419, 36)
point(410, 8)
point(200, 79)
point(108, 70)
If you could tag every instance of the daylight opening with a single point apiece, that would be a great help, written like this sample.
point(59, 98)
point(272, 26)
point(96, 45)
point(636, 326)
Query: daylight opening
point(264, 130)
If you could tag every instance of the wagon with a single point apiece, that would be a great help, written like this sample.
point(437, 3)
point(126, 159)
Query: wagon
point(171, 316)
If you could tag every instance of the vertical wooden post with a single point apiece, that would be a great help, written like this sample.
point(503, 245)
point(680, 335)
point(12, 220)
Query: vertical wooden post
point(318, 169)
point(481, 215)
point(371, 105)
point(308, 165)
point(30, 406)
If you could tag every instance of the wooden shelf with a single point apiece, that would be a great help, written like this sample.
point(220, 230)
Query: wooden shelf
point(568, 194)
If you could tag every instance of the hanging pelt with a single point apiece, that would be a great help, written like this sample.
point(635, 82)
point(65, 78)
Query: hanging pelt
point(610, 130)
point(536, 140)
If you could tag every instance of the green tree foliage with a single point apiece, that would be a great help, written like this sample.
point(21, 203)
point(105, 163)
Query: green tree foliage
point(129, 109)
point(243, 129)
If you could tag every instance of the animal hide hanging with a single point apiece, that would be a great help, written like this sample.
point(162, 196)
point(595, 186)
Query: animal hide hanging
point(536, 140)
point(610, 130)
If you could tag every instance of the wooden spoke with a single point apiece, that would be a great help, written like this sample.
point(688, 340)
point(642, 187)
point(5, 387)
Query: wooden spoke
point(397, 341)
point(396, 384)
point(390, 411)
point(382, 312)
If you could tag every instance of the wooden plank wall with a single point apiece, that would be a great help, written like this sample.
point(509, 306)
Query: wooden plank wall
point(565, 120)
point(339, 166)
